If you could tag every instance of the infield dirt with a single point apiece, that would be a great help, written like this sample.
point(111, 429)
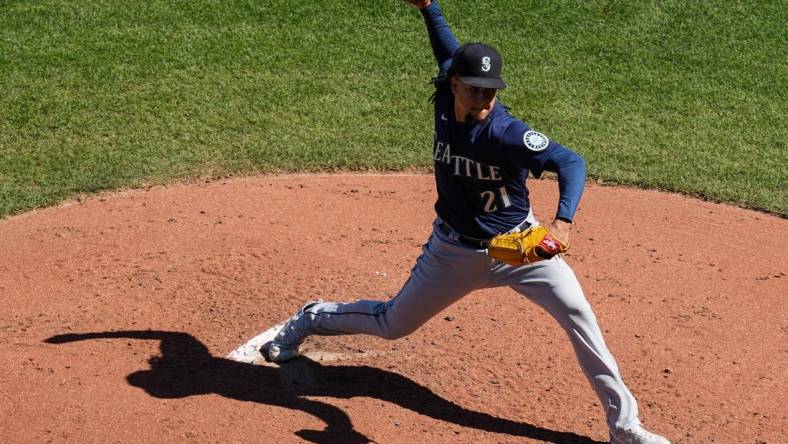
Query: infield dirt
point(118, 311)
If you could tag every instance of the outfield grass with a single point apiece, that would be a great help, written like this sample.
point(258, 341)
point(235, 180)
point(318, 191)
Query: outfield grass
point(96, 95)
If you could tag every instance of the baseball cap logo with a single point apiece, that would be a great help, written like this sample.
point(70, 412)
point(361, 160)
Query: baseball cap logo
point(478, 65)
point(485, 64)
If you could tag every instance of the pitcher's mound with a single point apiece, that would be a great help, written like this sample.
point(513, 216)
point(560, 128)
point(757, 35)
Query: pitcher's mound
point(119, 313)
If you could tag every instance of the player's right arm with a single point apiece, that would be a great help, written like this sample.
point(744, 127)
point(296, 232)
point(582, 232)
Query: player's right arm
point(442, 39)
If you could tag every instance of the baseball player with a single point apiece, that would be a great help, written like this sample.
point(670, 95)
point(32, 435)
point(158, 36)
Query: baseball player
point(483, 156)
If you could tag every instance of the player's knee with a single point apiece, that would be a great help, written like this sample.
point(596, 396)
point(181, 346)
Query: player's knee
point(574, 310)
point(394, 324)
point(398, 331)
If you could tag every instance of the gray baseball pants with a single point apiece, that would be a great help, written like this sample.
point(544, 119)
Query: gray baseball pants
point(447, 270)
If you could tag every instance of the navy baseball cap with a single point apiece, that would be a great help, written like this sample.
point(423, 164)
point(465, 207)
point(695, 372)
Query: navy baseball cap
point(479, 65)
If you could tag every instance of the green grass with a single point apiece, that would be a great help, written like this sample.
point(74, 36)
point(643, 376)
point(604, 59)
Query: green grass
point(97, 95)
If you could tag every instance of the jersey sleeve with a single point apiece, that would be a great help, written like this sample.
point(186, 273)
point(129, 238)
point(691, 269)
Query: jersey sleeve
point(529, 149)
point(571, 169)
point(442, 39)
point(525, 148)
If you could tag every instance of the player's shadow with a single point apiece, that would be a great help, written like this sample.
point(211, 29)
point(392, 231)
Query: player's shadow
point(186, 368)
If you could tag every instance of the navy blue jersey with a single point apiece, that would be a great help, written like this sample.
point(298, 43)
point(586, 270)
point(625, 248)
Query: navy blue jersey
point(481, 168)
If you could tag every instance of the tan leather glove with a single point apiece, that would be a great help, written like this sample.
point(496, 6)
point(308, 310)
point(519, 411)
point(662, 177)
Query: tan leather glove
point(526, 247)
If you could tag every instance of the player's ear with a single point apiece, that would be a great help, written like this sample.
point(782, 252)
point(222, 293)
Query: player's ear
point(454, 82)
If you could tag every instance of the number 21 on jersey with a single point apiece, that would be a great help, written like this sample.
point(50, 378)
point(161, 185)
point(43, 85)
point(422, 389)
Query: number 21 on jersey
point(491, 199)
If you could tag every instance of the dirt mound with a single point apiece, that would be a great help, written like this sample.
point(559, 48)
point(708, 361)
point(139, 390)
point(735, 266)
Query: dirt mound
point(118, 311)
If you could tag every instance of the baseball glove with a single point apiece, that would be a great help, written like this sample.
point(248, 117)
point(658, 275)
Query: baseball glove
point(525, 247)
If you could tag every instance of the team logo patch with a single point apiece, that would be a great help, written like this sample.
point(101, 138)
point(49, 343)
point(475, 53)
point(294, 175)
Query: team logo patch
point(535, 141)
point(485, 63)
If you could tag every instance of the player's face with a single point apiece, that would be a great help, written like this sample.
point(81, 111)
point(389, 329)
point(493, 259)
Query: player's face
point(471, 102)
